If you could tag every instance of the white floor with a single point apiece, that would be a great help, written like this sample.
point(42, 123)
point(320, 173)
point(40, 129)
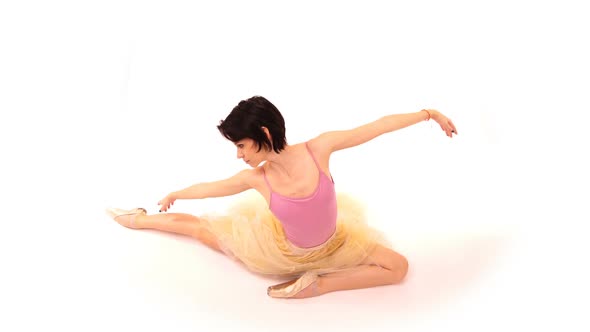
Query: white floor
point(486, 253)
point(94, 115)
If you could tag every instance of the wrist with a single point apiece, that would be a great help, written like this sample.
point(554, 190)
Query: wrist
point(431, 114)
point(434, 115)
point(427, 114)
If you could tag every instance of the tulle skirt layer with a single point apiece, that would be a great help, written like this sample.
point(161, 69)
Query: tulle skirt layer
point(251, 234)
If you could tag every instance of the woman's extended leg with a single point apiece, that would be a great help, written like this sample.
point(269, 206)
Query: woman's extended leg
point(178, 223)
point(383, 267)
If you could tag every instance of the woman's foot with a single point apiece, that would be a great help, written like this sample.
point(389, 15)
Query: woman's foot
point(126, 217)
point(309, 291)
point(303, 287)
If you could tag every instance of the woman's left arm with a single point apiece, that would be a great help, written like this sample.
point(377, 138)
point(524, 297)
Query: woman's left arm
point(343, 139)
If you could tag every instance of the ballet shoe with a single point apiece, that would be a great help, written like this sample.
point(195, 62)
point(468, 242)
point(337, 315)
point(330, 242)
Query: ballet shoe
point(291, 288)
point(115, 213)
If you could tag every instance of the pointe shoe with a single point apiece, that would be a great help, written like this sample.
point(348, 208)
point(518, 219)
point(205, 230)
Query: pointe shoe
point(115, 213)
point(291, 288)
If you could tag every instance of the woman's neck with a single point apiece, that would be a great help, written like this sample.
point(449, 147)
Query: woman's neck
point(283, 163)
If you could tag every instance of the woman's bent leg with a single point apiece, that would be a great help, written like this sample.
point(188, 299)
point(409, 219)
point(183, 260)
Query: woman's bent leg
point(383, 267)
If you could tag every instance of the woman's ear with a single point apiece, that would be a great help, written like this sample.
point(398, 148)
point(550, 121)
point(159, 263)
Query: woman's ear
point(267, 133)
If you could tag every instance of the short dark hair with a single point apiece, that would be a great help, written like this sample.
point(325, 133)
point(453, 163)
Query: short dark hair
point(247, 119)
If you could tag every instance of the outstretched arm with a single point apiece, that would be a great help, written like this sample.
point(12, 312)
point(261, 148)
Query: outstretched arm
point(343, 139)
point(230, 186)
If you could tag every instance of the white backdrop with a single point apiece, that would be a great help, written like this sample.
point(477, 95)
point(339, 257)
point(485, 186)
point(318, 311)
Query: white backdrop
point(115, 103)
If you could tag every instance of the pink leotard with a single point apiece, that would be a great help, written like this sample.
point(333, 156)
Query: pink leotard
point(308, 221)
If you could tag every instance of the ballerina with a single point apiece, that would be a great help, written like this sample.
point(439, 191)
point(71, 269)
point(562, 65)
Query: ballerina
point(298, 226)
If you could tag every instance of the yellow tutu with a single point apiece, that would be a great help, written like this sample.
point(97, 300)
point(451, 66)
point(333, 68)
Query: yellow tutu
point(251, 234)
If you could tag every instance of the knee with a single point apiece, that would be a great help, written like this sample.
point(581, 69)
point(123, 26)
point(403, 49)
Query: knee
point(400, 270)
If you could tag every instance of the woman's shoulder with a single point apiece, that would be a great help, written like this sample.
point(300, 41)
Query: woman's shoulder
point(254, 177)
point(319, 147)
point(254, 173)
point(321, 153)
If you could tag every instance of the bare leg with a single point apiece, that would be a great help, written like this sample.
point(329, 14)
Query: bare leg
point(178, 223)
point(383, 267)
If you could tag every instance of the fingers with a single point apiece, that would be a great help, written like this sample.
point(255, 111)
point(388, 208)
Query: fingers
point(446, 130)
point(165, 208)
point(450, 132)
point(453, 128)
point(449, 128)
point(165, 205)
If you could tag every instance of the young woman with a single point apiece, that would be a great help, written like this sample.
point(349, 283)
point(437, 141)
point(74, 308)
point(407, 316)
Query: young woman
point(299, 227)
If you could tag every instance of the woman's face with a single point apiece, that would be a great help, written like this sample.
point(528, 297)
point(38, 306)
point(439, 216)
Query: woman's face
point(248, 151)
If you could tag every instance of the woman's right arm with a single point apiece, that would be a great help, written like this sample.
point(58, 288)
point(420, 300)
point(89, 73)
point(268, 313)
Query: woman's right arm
point(230, 186)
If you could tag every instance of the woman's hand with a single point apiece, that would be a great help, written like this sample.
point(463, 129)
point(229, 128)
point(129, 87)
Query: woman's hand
point(445, 123)
point(167, 202)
